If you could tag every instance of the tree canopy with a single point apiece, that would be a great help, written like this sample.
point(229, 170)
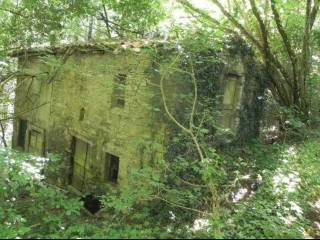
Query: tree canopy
point(204, 185)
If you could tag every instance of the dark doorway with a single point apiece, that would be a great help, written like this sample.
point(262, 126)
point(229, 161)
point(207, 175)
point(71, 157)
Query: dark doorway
point(112, 168)
point(79, 159)
point(36, 142)
point(23, 124)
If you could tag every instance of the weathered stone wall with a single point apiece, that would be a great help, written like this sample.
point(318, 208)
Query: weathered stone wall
point(76, 100)
point(87, 82)
point(253, 82)
point(116, 130)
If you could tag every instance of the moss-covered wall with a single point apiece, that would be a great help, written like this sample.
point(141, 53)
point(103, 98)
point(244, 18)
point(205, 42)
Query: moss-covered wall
point(76, 100)
point(87, 82)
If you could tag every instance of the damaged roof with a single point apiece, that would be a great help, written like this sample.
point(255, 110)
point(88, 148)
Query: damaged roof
point(114, 46)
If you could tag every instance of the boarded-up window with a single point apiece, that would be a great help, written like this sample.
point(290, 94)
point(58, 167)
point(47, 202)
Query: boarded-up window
point(36, 142)
point(23, 124)
point(80, 162)
point(231, 98)
point(229, 94)
point(111, 168)
point(118, 95)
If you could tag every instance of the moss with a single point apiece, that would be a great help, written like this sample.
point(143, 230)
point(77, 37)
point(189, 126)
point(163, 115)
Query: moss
point(139, 132)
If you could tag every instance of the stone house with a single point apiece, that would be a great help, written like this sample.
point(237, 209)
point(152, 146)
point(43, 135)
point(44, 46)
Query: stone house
point(99, 106)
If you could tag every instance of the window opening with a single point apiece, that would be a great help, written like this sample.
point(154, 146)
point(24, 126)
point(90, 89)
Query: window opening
point(82, 114)
point(112, 168)
point(23, 124)
point(118, 94)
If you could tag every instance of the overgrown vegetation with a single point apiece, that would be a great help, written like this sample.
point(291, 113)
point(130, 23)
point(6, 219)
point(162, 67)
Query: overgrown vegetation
point(273, 197)
point(207, 186)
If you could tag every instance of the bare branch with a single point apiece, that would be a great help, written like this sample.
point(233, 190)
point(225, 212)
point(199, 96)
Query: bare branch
point(180, 206)
point(106, 19)
point(191, 9)
point(185, 129)
point(314, 12)
point(195, 98)
point(165, 101)
point(284, 36)
point(3, 136)
point(288, 47)
point(263, 30)
point(305, 48)
point(242, 29)
point(23, 112)
point(13, 12)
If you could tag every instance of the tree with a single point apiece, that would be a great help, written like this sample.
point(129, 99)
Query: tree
point(281, 32)
point(129, 17)
point(32, 22)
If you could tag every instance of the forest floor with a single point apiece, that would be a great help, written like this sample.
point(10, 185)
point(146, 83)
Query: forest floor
point(274, 193)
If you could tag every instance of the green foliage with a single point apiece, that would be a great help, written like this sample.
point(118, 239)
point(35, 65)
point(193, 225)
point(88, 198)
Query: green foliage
point(132, 17)
point(30, 23)
point(25, 23)
point(281, 180)
point(28, 206)
point(282, 186)
point(31, 208)
point(164, 200)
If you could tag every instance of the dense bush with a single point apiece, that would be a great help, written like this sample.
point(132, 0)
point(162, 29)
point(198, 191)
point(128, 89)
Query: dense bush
point(270, 191)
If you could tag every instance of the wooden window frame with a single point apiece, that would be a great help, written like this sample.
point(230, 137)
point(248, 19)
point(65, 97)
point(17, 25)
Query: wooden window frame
point(31, 127)
point(107, 167)
point(89, 156)
point(20, 120)
point(119, 91)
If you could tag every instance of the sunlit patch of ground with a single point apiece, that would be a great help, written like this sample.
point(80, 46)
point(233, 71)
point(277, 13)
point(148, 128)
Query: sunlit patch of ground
point(35, 167)
point(201, 224)
point(285, 179)
point(239, 194)
point(32, 165)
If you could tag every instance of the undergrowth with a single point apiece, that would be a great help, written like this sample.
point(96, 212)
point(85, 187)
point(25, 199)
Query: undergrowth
point(271, 191)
